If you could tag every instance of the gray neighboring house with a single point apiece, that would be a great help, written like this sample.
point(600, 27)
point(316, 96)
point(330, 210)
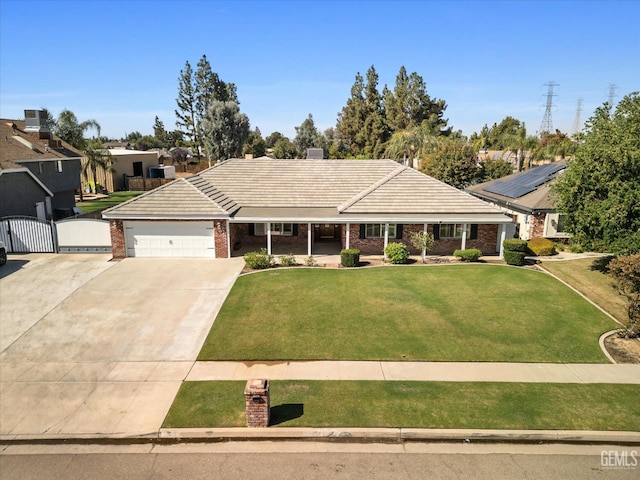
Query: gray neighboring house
point(527, 198)
point(56, 164)
point(22, 193)
point(304, 207)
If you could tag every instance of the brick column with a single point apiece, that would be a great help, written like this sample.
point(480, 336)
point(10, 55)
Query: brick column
point(220, 238)
point(257, 402)
point(118, 247)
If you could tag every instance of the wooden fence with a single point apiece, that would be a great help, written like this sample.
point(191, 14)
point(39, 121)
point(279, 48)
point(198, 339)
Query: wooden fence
point(139, 184)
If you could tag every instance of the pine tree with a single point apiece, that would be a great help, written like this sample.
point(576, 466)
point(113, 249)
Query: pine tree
point(186, 112)
point(351, 118)
point(307, 136)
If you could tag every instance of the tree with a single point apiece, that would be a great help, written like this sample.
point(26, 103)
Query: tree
point(375, 131)
point(554, 145)
point(72, 132)
point(284, 148)
point(625, 271)
point(423, 241)
point(415, 143)
point(225, 130)
point(179, 156)
point(335, 146)
point(160, 133)
point(255, 144)
point(599, 192)
point(271, 140)
point(186, 112)
point(493, 169)
point(97, 158)
point(409, 104)
point(453, 162)
point(351, 118)
point(307, 136)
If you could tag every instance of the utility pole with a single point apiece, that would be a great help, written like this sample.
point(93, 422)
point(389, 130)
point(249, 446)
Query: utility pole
point(547, 125)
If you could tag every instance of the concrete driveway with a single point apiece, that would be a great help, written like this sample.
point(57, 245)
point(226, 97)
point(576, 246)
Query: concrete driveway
point(92, 347)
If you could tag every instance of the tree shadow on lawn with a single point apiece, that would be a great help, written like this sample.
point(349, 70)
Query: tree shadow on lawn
point(601, 264)
point(285, 412)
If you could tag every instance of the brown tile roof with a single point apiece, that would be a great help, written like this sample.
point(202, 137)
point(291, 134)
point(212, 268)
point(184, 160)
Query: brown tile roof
point(30, 147)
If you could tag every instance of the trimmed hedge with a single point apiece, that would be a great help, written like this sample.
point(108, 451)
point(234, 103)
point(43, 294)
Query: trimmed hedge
point(514, 258)
point(397, 252)
point(541, 247)
point(259, 260)
point(468, 255)
point(350, 257)
point(515, 245)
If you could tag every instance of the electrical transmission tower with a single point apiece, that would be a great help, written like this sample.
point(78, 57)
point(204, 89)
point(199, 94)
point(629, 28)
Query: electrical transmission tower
point(612, 94)
point(547, 124)
point(577, 124)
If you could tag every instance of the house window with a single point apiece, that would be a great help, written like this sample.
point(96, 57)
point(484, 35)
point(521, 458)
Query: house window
point(376, 230)
point(453, 230)
point(59, 165)
point(560, 226)
point(41, 167)
point(284, 229)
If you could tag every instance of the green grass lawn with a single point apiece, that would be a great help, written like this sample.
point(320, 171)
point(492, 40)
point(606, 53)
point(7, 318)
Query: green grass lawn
point(415, 405)
point(585, 276)
point(430, 313)
point(103, 203)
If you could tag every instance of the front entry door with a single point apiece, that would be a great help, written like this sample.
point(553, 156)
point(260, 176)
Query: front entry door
point(327, 230)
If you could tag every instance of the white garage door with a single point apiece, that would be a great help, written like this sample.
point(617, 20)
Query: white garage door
point(169, 239)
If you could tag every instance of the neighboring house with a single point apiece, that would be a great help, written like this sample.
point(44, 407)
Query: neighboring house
point(302, 206)
point(21, 193)
point(526, 196)
point(125, 163)
point(54, 163)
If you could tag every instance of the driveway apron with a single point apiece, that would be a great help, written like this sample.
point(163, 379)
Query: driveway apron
point(107, 353)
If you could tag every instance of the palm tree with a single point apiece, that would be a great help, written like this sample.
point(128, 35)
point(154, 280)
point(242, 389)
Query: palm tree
point(71, 131)
point(96, 158)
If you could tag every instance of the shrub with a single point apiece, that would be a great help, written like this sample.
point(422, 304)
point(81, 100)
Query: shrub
point(288, 260)
point(514, 258)
point(350, 257)
point(625, 271)
point(258, 260)
point(310, 261)
point(468, 255)
point(541, 247)
point(423, 242)
point(397, 252)
point(515, 245)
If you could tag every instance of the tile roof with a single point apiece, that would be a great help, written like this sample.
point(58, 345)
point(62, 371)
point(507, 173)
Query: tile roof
point(266, 188)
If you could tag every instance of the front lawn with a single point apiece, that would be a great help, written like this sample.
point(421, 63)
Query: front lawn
point(99, 204)
point(587, 276)
point(532, 406)
point(432, 313)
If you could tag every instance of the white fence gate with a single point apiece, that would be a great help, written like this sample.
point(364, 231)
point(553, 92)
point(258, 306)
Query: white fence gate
point(83, 235)
point(27, 235)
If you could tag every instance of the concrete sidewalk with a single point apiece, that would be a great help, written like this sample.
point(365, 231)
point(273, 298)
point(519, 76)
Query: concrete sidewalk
point(419, 371)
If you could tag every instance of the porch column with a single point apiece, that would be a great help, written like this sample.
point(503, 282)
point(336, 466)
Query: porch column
point(502, 232)
point(386, 240)
point(424, 230)
point(347, 236)
point(228, 240)
point(269, 238)
point(309, 239)
point(464, 236)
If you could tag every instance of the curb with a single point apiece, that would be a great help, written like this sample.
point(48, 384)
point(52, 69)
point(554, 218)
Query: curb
point(345, 435)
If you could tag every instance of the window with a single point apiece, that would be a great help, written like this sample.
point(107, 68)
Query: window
point(59, 165)
point(560, 226)
point(284, 229)
point(376, 230)
point(453, 230)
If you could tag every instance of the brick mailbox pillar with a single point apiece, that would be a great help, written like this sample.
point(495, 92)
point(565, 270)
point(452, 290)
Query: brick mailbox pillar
point(256, 396)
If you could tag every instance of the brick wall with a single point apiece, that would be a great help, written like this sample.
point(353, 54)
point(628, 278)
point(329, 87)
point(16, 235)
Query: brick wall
point(536, 225)
point(257, 402)
point(485, 241)
point(118, 247)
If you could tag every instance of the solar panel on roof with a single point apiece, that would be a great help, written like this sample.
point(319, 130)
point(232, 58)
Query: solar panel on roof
point(525, 182)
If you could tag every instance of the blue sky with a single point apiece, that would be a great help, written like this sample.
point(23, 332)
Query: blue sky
point(118, 62)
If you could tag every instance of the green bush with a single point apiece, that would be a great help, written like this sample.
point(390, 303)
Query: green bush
point(310, 261)
point(515, 245)
point(468, 255)
point(541, 247)
point(514, 258)
point(288, 260)
point(397, 252)
point(258, 260)
point(350, 257)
